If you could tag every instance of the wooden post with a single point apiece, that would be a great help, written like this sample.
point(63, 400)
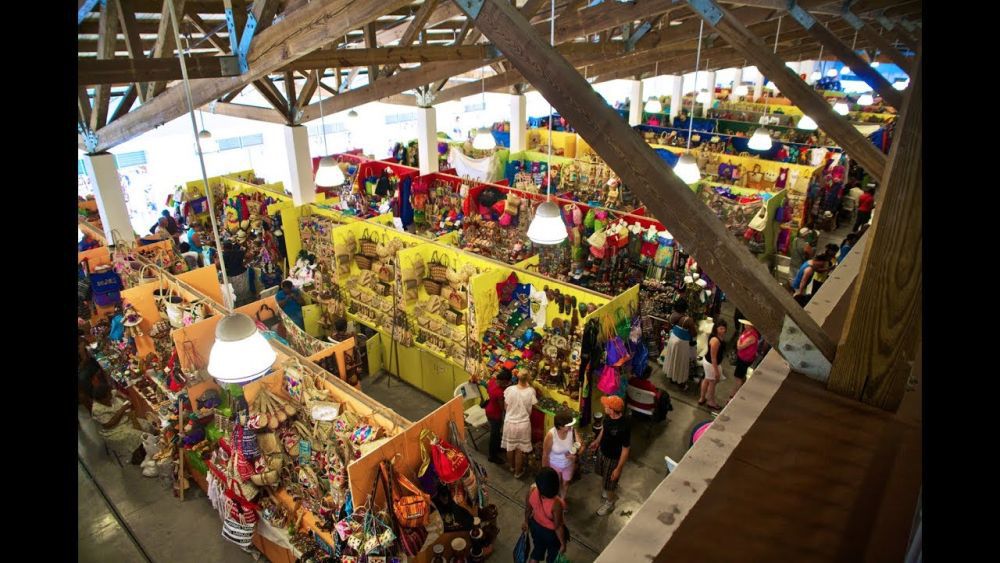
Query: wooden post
point(800, 93)
point(880, 336)
point(725, 259)
point(858, 65)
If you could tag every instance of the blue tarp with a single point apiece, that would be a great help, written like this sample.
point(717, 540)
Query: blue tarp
point(502, 138)
point(669, 157)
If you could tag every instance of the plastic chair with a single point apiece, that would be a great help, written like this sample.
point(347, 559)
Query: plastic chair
point(475, 416)
point(641, 401)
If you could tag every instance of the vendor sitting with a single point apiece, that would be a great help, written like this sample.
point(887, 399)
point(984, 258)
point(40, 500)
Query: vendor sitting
point(340, 332)
point(116, 423)
point(291, 301)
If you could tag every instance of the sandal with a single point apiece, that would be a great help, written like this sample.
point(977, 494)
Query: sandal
point(701, 403)
point(715, 407)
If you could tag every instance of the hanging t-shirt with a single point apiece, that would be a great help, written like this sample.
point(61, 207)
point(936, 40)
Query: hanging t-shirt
point(816, 156)
point(539, 306)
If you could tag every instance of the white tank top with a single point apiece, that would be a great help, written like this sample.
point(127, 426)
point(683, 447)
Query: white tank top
point(560, 448)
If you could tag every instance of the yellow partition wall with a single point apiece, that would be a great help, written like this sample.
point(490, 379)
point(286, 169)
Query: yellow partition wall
point(748, 162)
point(560, 140)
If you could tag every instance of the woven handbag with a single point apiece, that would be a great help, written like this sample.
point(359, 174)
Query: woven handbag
point(432, 287)
point(363, 262)
point(411, 510)
point(439, 268)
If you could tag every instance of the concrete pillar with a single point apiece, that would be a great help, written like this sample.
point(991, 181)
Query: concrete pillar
point(676, 96)
point(427, 139)
point(758, 87)
point(737, 80)
point(103, 174)
point(518, 123)
point(711, 94)
point(636, 102)
point(300, 170)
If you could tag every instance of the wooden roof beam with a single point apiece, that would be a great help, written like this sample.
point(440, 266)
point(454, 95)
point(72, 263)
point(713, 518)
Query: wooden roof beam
point(800, 93)
point(881, 43)
point(126, 71)
point(415, 26)
point(846, 54)
point(300, 32)
point(745, 280)
point(105, 50)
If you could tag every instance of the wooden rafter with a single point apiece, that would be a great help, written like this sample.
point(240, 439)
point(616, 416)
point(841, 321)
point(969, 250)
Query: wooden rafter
point(270, 92)
point(847, 55)
point(298, 33)
point(371, 42)
point(232, 95)
point(414, 28)
point(264, 12)
point(130, 29)
point(105, 50)
point(257, 113)
point(887, 48)
point(205, 30)
point(127, 71)
point(744, 279)
point(801, 94)
point(880, 339)
point(290, 94)
point(83, 105)
point(125, 104)
point(347, 58)
point(165, 43)
point(308, 89)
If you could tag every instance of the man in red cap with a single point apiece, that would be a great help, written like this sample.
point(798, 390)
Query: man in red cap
point(614, 441)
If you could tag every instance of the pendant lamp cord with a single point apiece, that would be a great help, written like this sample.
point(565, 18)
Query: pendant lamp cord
point(552, 43)
point(201, 158)
point(697, 64)
point(322, 119)
point(775, 51)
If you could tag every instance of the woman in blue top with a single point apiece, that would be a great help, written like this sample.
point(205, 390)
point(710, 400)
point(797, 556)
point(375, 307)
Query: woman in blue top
point(677, 354)
point(846, 246)
point(802, 278)
point(291, 302)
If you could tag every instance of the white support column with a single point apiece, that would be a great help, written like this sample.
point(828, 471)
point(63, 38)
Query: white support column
point(427, 139)
point(518, 123)
point(300, 170)
point(758, 87)
point(711, 94)
point(111, 207)
point(737, 80)
point(676, 96)
point(636, 103)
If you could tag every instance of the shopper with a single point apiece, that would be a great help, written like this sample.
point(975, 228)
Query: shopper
point(518, 401)
point(233, 258)
point(291, 301)
point(170, 225)
point(116, 423)
point(865, 205)
point(802, 249)
point(495, 411)
point(191, 258)
point(804, 275)
point(559, 449)
point(846, 246)
point(712, 363)
point(544, 517)
point(87, 242)
point(612, 444)
point(340, 332)
point(819, 277)
point(746, 352)
point(675, 360)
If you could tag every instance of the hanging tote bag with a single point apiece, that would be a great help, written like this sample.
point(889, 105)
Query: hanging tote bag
point(412, 510)
point(609, 381)
point(522, 547)
point(759, 221)
point(450, 463)
point(755, 179)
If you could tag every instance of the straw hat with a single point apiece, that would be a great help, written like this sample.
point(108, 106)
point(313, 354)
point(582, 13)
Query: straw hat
point(745, 322)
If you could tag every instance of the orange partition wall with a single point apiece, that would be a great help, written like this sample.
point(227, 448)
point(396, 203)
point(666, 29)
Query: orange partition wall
point(142, 298)
point(338, 351)
point(95, 256)
point(205, 280)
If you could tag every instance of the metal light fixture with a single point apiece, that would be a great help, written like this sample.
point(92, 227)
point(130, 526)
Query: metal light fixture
point(741, 90)
point(702, 97)
point(832, 73)
point(352, 115)
point(687, 167)
point(841, 108)
point(240, 353)
point(547, 226)
point(328, 173)
point(901, 85)
point(761, 140)
point(866, 100)
point(807, 123)
point(815, 76)
point(874, 64)
point(844, 71)
point(653, 104)
point(484, 140)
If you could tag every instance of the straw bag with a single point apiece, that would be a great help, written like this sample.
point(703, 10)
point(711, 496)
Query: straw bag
point(755, 178)
point(369, 248)
point(411, 510)
point(363, 262)
point(439, 268)
point(432, 287)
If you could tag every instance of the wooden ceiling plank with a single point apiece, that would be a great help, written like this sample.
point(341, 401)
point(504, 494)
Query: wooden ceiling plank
point(105, 50)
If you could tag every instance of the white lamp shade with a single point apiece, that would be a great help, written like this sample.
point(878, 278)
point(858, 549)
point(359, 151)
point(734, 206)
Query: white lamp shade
point(352, 114)
point(815, 75)
point(240, 354)
point(741, 90)
point(687, 169)
point(204, 134)
point(866, 100)
point(901, 85)
point(547, 226)
point(875, 64)
point(702, 97)
point(772, 86)
point(484, 141)
point(807, 123)
point(832, 73)
point(761, 140)
point(653, 105)
point(329, 175)
point(845, 70)
point(841, 108)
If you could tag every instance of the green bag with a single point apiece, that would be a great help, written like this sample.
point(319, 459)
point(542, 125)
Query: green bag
point(588, 220)
point(623, 326)
point(561, 558)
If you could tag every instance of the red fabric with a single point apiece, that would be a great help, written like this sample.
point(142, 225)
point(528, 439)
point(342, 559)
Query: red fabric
point(645, 385)
point(866, 202)
point(493, 411)
point(537, 425)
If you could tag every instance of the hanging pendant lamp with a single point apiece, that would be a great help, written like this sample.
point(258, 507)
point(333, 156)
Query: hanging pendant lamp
point(841, 108)
point(328, 173)
point(484, 140)
point(807, 123)
point(761, 140)
point(844, 71)
point(866, 100)
point(741, 90)
point(240, 353)
point(352, 115)
point(547, 226)
point(653, 105)
point(687, 166)
point(901, 85)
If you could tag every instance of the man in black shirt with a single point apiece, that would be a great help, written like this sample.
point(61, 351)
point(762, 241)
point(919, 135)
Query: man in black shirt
point(614, 441)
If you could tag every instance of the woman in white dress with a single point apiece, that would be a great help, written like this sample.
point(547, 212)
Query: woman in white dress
point(518, 402)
